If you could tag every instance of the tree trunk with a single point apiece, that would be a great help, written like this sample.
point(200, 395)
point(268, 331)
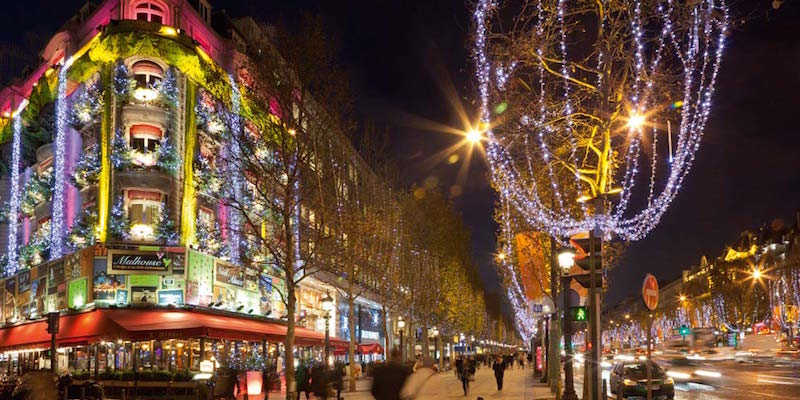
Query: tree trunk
point(351, 304)
point(289, 344)
point(386, 342)
point(426, 342)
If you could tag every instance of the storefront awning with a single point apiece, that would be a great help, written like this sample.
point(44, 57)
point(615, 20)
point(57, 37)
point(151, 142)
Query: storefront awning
point(148, 324)
point(79, 328)
point(370, 348)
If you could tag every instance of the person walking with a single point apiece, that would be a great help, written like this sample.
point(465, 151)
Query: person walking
point(465, 376)
point(302, 378)
point(388, 379)
point(320, 381)
point(499, 371)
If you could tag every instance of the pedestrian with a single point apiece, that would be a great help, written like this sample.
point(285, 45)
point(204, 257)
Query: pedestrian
point(499, 370)
point(338, 379)
point(388, 379)
point(522, 361)
point(459, 364)
point(418, 378)
point(302, 379)
point(319, 381)
point(465, 376)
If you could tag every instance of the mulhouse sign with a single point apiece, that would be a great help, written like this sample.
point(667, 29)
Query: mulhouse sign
point(131, 262)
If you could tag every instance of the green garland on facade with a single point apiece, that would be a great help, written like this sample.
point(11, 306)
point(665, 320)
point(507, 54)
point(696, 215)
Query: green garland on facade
point(119, 226)
point(87, 169)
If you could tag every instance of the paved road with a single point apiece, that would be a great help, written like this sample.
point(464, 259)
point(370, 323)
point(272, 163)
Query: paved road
point(518, 384)
point(739, 381)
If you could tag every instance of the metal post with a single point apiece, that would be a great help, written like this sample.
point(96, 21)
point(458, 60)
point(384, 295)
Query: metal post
point(569, 385)
point(402, 349)
point(554, 337)
point(53, 352)
point(649, 370)
point(327, 337)
point(202, 349)
point(593, 369)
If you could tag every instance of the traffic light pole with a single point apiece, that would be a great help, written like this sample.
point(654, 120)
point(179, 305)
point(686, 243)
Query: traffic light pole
point(569, 384)
point(593, 363)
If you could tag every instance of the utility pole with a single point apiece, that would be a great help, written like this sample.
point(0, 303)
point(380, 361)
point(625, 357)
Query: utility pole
point(553, 354)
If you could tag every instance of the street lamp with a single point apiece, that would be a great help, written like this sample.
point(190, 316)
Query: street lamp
point(566, 259)
point(756, 274)
point(401, 324)
point(435, 332)
point(327, 303)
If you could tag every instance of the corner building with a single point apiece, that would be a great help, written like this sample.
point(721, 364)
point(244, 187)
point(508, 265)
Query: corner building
point(109, 221)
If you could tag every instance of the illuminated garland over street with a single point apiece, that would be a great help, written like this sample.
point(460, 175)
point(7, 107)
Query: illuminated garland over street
point(567, 127)
point(570, 128)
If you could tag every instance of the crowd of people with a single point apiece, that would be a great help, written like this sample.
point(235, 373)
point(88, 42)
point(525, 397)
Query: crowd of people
point(395, 380)
point(319, 379)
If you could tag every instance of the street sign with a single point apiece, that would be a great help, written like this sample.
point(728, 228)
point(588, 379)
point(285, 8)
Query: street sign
point(650, 292)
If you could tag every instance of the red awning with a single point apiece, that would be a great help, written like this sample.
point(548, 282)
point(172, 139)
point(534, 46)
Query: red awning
point(78, 328)
point(370, 348)
point(144, 324)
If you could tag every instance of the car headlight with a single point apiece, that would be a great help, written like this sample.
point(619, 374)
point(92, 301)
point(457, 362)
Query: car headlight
point(629, 382)
point(669, 381)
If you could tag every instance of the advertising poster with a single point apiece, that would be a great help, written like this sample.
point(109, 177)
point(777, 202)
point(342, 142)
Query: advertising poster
point(251, 279)
point(141, 262)
point(24, 281)
point(172, 296)
point(11, 286)
point(248, 301)
point(278, 289)
point(229, 274)
point(170, 283)
point(61, 295)
point(199, 278)
point(38, 294)
point(143, 288)
point(55, 273)
point(265, 292)
point(72, 265)
point(77, 291)
point(122, 296)
point(106, 285)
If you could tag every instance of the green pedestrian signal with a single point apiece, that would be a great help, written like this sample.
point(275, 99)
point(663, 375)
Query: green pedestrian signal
point(578, 313)
point(684, 330)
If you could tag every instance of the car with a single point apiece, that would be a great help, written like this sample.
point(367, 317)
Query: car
point(685, 369)
point(628, 379)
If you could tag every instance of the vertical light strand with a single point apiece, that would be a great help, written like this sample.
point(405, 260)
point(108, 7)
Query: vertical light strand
point(13, 212)
point(59, 163)
point(234, 221)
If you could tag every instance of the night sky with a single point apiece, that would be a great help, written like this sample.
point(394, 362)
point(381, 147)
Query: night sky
point(403, 55)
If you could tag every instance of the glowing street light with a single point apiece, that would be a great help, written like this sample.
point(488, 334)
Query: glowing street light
point(474, 136)
point(682, 298)
point(756, 274)
point(635, 121)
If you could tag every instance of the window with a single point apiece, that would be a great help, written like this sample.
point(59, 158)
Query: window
point(205, 217)
point(147, 74)
point(144, 211)
point(145, 138)
point(150, 12)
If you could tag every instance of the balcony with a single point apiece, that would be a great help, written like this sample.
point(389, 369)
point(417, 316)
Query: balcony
point(143, 178)
point(135, 113)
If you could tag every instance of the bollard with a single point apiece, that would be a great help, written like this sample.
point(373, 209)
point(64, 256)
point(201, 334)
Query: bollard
point(605, 390)
point(123, 394)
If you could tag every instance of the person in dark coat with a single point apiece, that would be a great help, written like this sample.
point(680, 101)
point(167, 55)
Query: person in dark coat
point(319, 381)
point(466, 373)
point(388, 379)
point(499, 370)
point(303, 380)
point(459, 364)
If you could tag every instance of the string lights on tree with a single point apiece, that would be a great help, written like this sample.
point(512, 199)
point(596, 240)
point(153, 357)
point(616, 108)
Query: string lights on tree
point(573, 99)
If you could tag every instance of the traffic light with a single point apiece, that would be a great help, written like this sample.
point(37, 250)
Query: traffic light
point(583, 252)
point(578, 314)
point(684, 330)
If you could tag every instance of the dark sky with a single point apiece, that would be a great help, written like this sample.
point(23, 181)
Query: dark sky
point(400, 53)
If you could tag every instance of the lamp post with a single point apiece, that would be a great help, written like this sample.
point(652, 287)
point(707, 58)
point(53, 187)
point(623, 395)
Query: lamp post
point(566, 259)
point(436, 346)
point(401, 324)
point(327, 302)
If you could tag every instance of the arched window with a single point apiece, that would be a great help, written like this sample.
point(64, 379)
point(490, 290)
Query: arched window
point(147, 73)
point(150, 12)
